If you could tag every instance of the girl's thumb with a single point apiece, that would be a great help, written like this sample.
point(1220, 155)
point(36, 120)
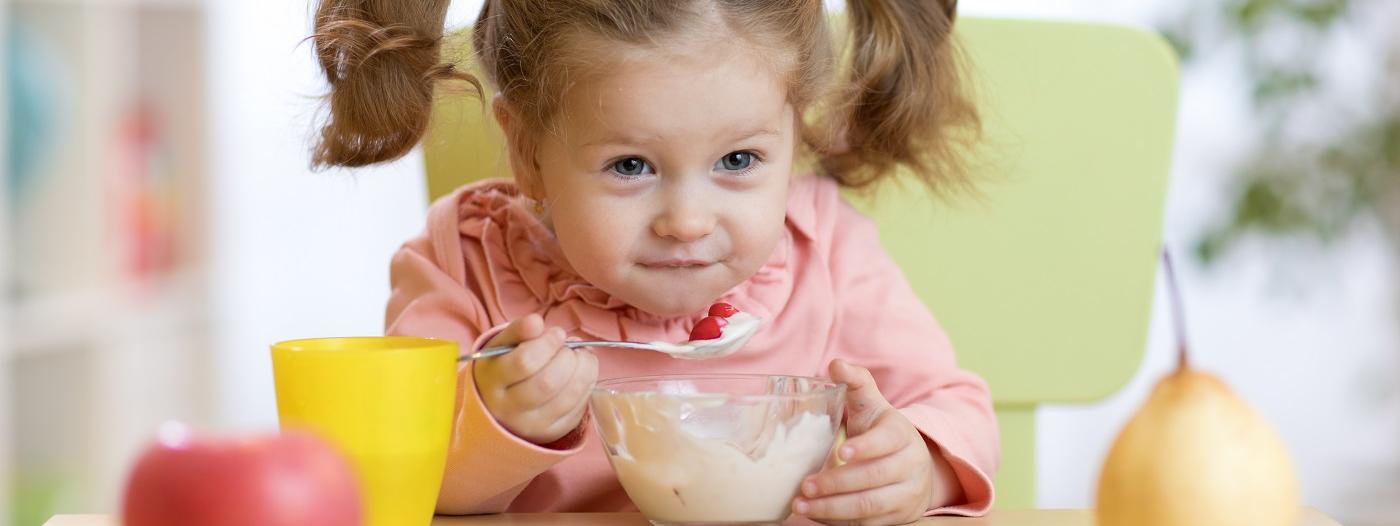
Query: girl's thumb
point(863, 399)
point(519, 330)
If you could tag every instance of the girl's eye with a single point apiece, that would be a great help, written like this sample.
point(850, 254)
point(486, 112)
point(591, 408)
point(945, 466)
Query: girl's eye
point(735, 161)
point(631, 167)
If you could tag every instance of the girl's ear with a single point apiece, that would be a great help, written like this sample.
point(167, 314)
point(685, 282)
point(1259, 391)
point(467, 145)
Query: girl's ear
point(520, 145)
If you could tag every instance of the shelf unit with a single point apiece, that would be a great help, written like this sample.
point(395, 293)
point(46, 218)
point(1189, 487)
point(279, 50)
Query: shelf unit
point(105, 277)
point(6, 395)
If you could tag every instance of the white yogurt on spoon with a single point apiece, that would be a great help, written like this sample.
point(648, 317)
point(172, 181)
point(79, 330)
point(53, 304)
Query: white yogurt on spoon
point(733, 336)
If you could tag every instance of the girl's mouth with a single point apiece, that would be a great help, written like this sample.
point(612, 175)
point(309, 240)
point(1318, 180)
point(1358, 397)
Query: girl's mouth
point(676, 263)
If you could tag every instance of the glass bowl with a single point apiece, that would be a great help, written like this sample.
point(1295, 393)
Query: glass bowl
point(716, 449)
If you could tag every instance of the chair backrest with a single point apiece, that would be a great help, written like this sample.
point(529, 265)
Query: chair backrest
point(1044, 282)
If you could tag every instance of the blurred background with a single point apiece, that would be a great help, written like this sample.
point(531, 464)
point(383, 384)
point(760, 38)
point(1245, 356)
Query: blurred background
point(159, 227)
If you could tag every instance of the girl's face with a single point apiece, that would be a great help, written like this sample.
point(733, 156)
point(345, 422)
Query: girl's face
point(666, 176)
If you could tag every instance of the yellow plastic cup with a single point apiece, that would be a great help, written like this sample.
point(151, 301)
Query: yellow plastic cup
point(386, 402)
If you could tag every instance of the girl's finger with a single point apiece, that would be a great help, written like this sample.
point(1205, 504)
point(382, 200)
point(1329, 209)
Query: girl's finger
point(573, 392)
point(886, 436)
point(857, 476)
point(529, 357)
point(868, 504)
point(571, 419)
point(550, 380)
point(563, 417)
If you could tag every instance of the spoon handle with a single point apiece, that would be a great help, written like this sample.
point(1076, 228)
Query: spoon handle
point(503, 349)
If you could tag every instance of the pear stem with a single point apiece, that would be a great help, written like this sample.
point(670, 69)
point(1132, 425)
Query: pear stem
point(1178, 310)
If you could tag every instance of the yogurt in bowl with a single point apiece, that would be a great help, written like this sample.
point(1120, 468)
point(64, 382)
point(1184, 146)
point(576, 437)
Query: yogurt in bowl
point(716, 449)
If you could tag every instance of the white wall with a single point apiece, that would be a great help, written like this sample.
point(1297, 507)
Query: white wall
point(298, 254)
point(1310, 341)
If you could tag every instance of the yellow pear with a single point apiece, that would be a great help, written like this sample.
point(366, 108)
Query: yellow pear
point(1195, 454)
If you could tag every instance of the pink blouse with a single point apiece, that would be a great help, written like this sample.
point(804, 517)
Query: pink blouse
point(828, 291)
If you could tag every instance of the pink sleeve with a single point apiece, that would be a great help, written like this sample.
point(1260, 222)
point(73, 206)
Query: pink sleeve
point(882, 325)
point(487, 465)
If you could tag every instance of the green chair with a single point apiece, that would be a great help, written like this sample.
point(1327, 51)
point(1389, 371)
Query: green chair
point(1044, 282)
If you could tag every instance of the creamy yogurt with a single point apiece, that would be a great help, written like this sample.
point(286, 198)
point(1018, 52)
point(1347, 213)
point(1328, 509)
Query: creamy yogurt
point(733, 336)
point(681, 472)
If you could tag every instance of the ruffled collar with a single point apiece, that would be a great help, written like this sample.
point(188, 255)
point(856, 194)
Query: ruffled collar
point(528, 273)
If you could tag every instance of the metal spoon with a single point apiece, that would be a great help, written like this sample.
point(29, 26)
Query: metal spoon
point(734, 337)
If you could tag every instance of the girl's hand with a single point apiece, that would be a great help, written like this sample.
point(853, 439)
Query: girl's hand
point(890, 475)
point(539, 391)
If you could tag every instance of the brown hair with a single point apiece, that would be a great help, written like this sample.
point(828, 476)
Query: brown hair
point(901, 100)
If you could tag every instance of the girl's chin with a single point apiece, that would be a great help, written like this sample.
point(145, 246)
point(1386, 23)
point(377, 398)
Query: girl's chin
point(673, 295)
point(672, 305)
point(672, 310)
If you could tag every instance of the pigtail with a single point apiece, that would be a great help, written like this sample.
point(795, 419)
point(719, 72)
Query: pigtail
point(382, 59)
point(903, 102)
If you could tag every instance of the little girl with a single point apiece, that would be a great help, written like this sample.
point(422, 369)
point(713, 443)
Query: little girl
point(668, 155)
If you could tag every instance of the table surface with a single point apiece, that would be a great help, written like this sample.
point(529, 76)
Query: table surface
point(1309, 517)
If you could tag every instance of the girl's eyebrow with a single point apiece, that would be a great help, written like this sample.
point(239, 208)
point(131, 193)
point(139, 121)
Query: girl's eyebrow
point(755, 133)
point(611, 137)
point(614, 137)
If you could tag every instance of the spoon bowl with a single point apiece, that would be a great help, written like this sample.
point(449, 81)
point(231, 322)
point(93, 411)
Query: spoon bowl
point(735, 335)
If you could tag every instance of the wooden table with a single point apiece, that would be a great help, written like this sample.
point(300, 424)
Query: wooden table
point(1310, 517)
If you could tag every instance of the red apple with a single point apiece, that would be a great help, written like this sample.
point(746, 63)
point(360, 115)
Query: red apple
point(291, 479)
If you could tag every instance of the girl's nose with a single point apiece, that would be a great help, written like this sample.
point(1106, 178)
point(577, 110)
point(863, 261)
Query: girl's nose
point(686, 218)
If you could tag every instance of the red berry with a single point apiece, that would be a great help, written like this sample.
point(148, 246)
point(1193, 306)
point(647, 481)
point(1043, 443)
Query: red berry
point(723, 310)
point(707, 329)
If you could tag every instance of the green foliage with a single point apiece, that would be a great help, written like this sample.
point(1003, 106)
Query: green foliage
point(1252, 15)
point(1291, 185)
